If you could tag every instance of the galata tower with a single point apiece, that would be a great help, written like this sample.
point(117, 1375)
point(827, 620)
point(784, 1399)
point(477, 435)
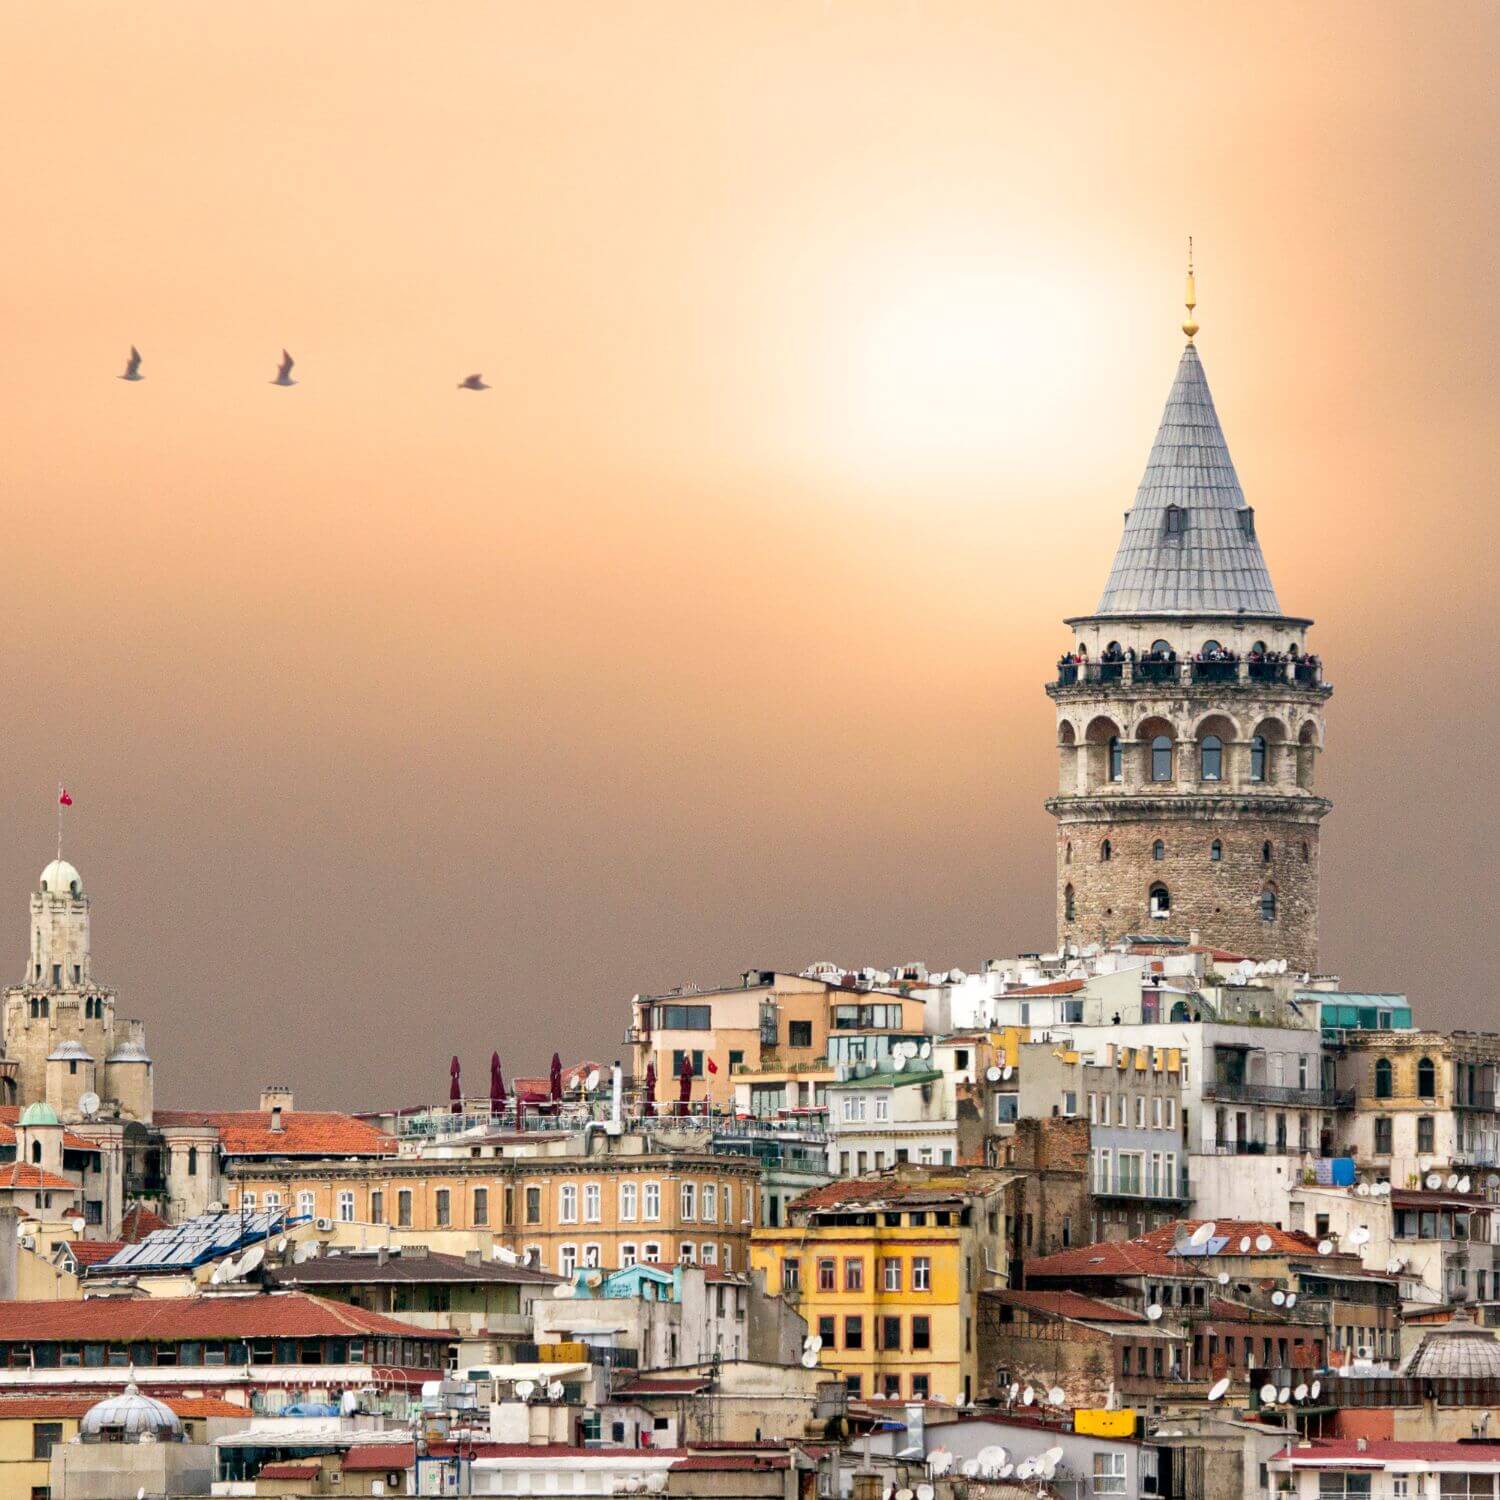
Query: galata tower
point(1190, 719)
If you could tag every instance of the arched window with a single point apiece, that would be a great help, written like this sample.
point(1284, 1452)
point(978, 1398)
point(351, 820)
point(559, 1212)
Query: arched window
point(1258, 758)
point(1068, 903)
point(1265, 852)
point(1268, 904)
point(1116, 759)
point(1426, 1079)
point(36, 1152)
point(1161, 648)
point(192, 1161)
point(1161, 900)
point(1306, 853)
point(1211, 758)
point(1383, 1081)
point(1161, 758)
point(1158, 850)
point(1210, 647)
point(1176, 519)
point(1104, 852)
point(1216, 851)
point(1068, 853)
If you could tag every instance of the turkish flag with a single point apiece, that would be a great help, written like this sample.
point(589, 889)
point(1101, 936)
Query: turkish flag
point(713, 1067)
point(63, 799)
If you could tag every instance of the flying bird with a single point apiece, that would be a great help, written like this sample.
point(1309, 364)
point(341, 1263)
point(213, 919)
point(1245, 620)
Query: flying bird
point(132, 366)
point(284, 372)
point(473, 383)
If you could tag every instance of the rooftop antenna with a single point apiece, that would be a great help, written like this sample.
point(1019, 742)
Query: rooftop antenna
point(1191, 326)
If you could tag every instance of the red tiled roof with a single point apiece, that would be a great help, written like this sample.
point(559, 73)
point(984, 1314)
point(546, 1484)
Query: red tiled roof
point(927, 1187)
point(665, 1385)
point(1113, 1258)
point(42, 1408)
point(1067, 1305)
point(1283, 1241)
point(92, 1252)
point(364, 1456)
point(148, 1319)
point(1056, 987)
point(10, 1116)
point(1377, 1451)
point(139, 1222)
point(24, 1175)
point(304, 1469)
point(711, 1463)
point(710, 1273)
point(304, 1132)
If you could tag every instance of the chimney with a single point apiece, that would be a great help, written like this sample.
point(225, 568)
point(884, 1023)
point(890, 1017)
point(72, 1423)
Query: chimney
point(616, 1094)
point(276, 1126)
point(273, 1095)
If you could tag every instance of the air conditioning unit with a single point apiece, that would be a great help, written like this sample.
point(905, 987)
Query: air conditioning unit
point(324, 1225)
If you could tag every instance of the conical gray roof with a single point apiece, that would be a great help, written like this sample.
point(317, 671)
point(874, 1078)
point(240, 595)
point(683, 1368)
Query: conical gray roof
point(1214, 565)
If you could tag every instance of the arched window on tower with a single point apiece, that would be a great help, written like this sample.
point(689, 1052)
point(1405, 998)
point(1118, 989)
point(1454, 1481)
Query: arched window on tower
point(1306, 853)
point(1176, 520)
point(1268, 904)
point(1068, 910)
point(1426, 1079)
point(1384, 1083)
point(1258, 758)
point(1161, 758)
point(1105, 850)
point(192, 1161)
point(1068, 853)
point(1211, 758)
point(36, 1152)
point(1216, 851)
point(1265, 852)
point(1161, 901)
point(1158, 850)
point(1116, 759)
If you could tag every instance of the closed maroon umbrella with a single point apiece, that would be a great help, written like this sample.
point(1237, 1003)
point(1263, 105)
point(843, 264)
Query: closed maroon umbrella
point(497, 1086)
point(555, 1080)
point(685, 1085)
point(650, 1089)
point(455, 1088)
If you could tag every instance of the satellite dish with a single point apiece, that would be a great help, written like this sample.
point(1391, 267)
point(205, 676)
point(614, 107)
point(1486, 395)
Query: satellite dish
point(1316, 1389)
point(1464, 1184)
point(1452, 1181)
point(1223, 1278)
point(1363, 1189)
point(1006, 1071)
point(251, 1259)
point(992, 1075)
point(991, 1457)
point(88, 1104)
point(1325, 1247)
point(1056, 1396)
point(970, 1467)
point(526, 1389)
point(555, 1390)
point(905, 1494)
point(926, 1049)
point(1284, 1394)
point(78, 1226)
point(812, 1343)
point(1359, 1235)
point(1291, 1299)
point(1300, 1393)
point(1263, 1242)
point(1268, 1393)
point(302, 1253)
point(1026, 1468)
point(1244, 1244)
point(940, 1460)
point(809, 1359)
point(1015, 1390)
point(1434, 1182)
point(1005, 1470)
point(1053, 1455)
point(1154, 1311)
point(140, 1494)
point(1218, 1388)
point(925, 1491)
point(1028, 1396)
point(217, 1274)
point(281, 1245)
point(1393, 1265)
point(1278, 1297)
point(592, 1081)
point(1493, 1180)
point(898, 1063)
point(1203, 1233)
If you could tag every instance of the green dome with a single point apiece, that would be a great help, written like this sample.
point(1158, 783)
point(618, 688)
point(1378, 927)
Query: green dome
point(39, 1114)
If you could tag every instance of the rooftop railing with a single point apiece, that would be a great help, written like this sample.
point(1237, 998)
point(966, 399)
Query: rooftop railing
point(1276, 1093)
point(1189, 670)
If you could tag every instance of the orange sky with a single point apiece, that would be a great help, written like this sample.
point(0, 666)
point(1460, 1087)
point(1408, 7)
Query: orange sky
point(827, 340)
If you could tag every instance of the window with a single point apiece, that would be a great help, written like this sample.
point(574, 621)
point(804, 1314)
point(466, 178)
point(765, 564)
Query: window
point(1265, 852)
point(628, 1194)
point(443, 1200)
point(1176, 518)
point(192, 1161)
point(710, 1203)
point(651, 1202)
point(1116, 759)
point(696, 1056)
point(890, 1274)
point(921, 1331)
point(728, 1192)
point(854, 1332)
point(1345, 1484)
point(627, 1255)
point(346, 1207)
point(273, 1200)
point(533, 1205)
point(567, 1259)
point(403, 1209)
point(305, 1203)
point(921, 1273)
point(567, 1203)
point(883, 1107)
point(1158, 850)
point(1161, 758)
point(1109, 1473)
point(828, 1331)
point(591, 1256)
point(888, 1331)
point(1268, 904)
point(687, 1200)
point(481, 1206)
point(920, 1387)
point(1070, 913)
point(1211, 758)
point(247, 1200)
point(1383, 1078)
point(799, 1034)
point(708, 1253)
point(1384, 1135)
point(1216, 851)
point(591, 1203)
point(1426, 1079)
point(828, 1273)
point(854, 1275)
point(683, 1018)
point(651, 1251)
point(791, 1274)
point(1104, 852)
point(43, 1436)
point(1258, 758)
point(1161, 901)
point(1426, 1134)
point(377, 1206)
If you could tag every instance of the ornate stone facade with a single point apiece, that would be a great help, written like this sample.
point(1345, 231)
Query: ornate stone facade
point(1190, 726)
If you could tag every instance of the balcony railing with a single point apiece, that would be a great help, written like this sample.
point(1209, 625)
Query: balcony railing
point(1162, 1192)
point(1187, 671)
point(1276, 1093)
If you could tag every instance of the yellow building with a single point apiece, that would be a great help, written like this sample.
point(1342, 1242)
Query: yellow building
point(887, 1269)
point(768, 1023)
point(571, 1210)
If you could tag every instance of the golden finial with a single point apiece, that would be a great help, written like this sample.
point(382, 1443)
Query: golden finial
point(1191, 326)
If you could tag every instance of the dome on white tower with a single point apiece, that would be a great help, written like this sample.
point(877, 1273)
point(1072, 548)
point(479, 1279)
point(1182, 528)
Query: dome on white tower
point(62, 879)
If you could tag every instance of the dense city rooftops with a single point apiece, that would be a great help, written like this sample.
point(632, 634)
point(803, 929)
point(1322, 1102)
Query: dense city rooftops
point(371, 1267)
point(1062, 1304)
point(302, 1132)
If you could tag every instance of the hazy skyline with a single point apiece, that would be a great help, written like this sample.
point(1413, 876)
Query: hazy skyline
point(827, 342)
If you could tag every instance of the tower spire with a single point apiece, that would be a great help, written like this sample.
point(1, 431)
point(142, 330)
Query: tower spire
point(1191, 326)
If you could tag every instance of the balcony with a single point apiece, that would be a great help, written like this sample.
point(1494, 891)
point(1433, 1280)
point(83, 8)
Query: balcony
point(1188, 673)
point(1228, 1092)
point(1148, 1192)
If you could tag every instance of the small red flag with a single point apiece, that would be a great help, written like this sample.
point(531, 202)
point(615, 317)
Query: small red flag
point(713, 1067)
point(63, 799)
